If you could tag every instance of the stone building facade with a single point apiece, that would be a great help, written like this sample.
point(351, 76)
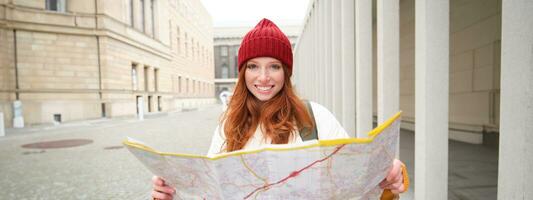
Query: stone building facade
point(227, 41)
point(68, 60)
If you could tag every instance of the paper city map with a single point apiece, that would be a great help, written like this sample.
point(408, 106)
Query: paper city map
point(326, 169)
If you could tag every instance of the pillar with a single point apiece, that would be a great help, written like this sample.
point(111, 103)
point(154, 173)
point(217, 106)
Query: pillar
point(388, 58)
point(431, 99)
point(363, 66)
point(348, 66)
point(515, 179)
point(336, 58)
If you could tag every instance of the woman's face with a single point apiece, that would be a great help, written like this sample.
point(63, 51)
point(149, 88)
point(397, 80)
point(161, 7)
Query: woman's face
point(264, 77)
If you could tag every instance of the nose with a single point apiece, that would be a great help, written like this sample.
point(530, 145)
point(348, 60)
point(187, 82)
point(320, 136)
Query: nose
point(263, 75)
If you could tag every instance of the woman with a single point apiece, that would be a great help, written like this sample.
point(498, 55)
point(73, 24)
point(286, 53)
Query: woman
point(265, 110)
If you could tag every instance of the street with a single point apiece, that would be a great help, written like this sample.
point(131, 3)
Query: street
point(103, 169)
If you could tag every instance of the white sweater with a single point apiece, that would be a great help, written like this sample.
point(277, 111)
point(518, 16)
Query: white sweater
point(327, 128)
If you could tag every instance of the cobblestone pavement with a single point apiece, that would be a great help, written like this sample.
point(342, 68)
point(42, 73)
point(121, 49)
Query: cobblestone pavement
point(472, 169)
point(104, 169)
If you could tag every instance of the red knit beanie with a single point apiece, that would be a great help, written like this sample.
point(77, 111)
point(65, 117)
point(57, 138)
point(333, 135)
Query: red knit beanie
point(266, 40)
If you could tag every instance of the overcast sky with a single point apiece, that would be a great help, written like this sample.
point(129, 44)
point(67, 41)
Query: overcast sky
point(249, 12)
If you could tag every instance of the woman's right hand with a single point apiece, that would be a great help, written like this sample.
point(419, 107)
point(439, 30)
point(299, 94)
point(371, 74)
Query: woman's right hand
point(161, 190)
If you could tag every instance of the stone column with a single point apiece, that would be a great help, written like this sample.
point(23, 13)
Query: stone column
point(431, 99)
point(308, 71)
point(348, 66)
point(388, 58)
point(311, 88)
point(336, 58)
point(316, 53)
point(515, 178)
point(321, 51)
point(363, 66)
point(327, 46)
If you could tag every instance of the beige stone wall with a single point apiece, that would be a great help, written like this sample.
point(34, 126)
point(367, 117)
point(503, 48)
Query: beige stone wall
point(79, 64)
point(56, 61)
point(475, 28)
point(30, 3)
point(58, 74)
point(7, 74)
point(81, 6)
point(6, 60)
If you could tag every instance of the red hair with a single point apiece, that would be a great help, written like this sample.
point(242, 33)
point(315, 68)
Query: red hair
point(280, 117)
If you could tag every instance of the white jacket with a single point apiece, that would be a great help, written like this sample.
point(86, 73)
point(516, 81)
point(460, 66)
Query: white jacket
point(327, 128)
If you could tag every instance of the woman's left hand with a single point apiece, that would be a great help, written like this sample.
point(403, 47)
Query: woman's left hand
point(394, 179)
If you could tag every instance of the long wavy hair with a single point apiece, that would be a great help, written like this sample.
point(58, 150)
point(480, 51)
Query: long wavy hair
point(279, 118)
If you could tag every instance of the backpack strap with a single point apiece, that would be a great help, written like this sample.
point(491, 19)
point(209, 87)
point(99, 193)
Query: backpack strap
point(307, 134)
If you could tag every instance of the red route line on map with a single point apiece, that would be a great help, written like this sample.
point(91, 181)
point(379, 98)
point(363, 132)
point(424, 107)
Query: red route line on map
point(295, 173)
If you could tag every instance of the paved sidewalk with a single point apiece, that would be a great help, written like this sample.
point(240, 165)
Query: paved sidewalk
point(104, 169)
point(472, 173)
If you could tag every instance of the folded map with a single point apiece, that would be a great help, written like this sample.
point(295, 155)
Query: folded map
point(348, 168)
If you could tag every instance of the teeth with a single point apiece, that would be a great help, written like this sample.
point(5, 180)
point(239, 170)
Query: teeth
point(263, 88)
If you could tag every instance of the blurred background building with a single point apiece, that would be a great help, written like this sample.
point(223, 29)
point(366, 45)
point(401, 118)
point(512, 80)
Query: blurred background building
point(227, 41)
point(66, 60)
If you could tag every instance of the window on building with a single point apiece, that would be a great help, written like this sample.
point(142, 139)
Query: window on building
point(150, 103)
point(223, 51)
point(159, 107)
point(145, 78)
point(179, 84)
point(225, 71)
point(134, 81)
point(131, 10)
point(152, 16)
point(236, 69)
point(156, 79)
point(187, 85)
point(142, 16)
point(56, 5)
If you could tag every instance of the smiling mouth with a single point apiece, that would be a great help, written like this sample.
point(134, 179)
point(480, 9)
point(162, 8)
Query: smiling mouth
point(264, 88)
